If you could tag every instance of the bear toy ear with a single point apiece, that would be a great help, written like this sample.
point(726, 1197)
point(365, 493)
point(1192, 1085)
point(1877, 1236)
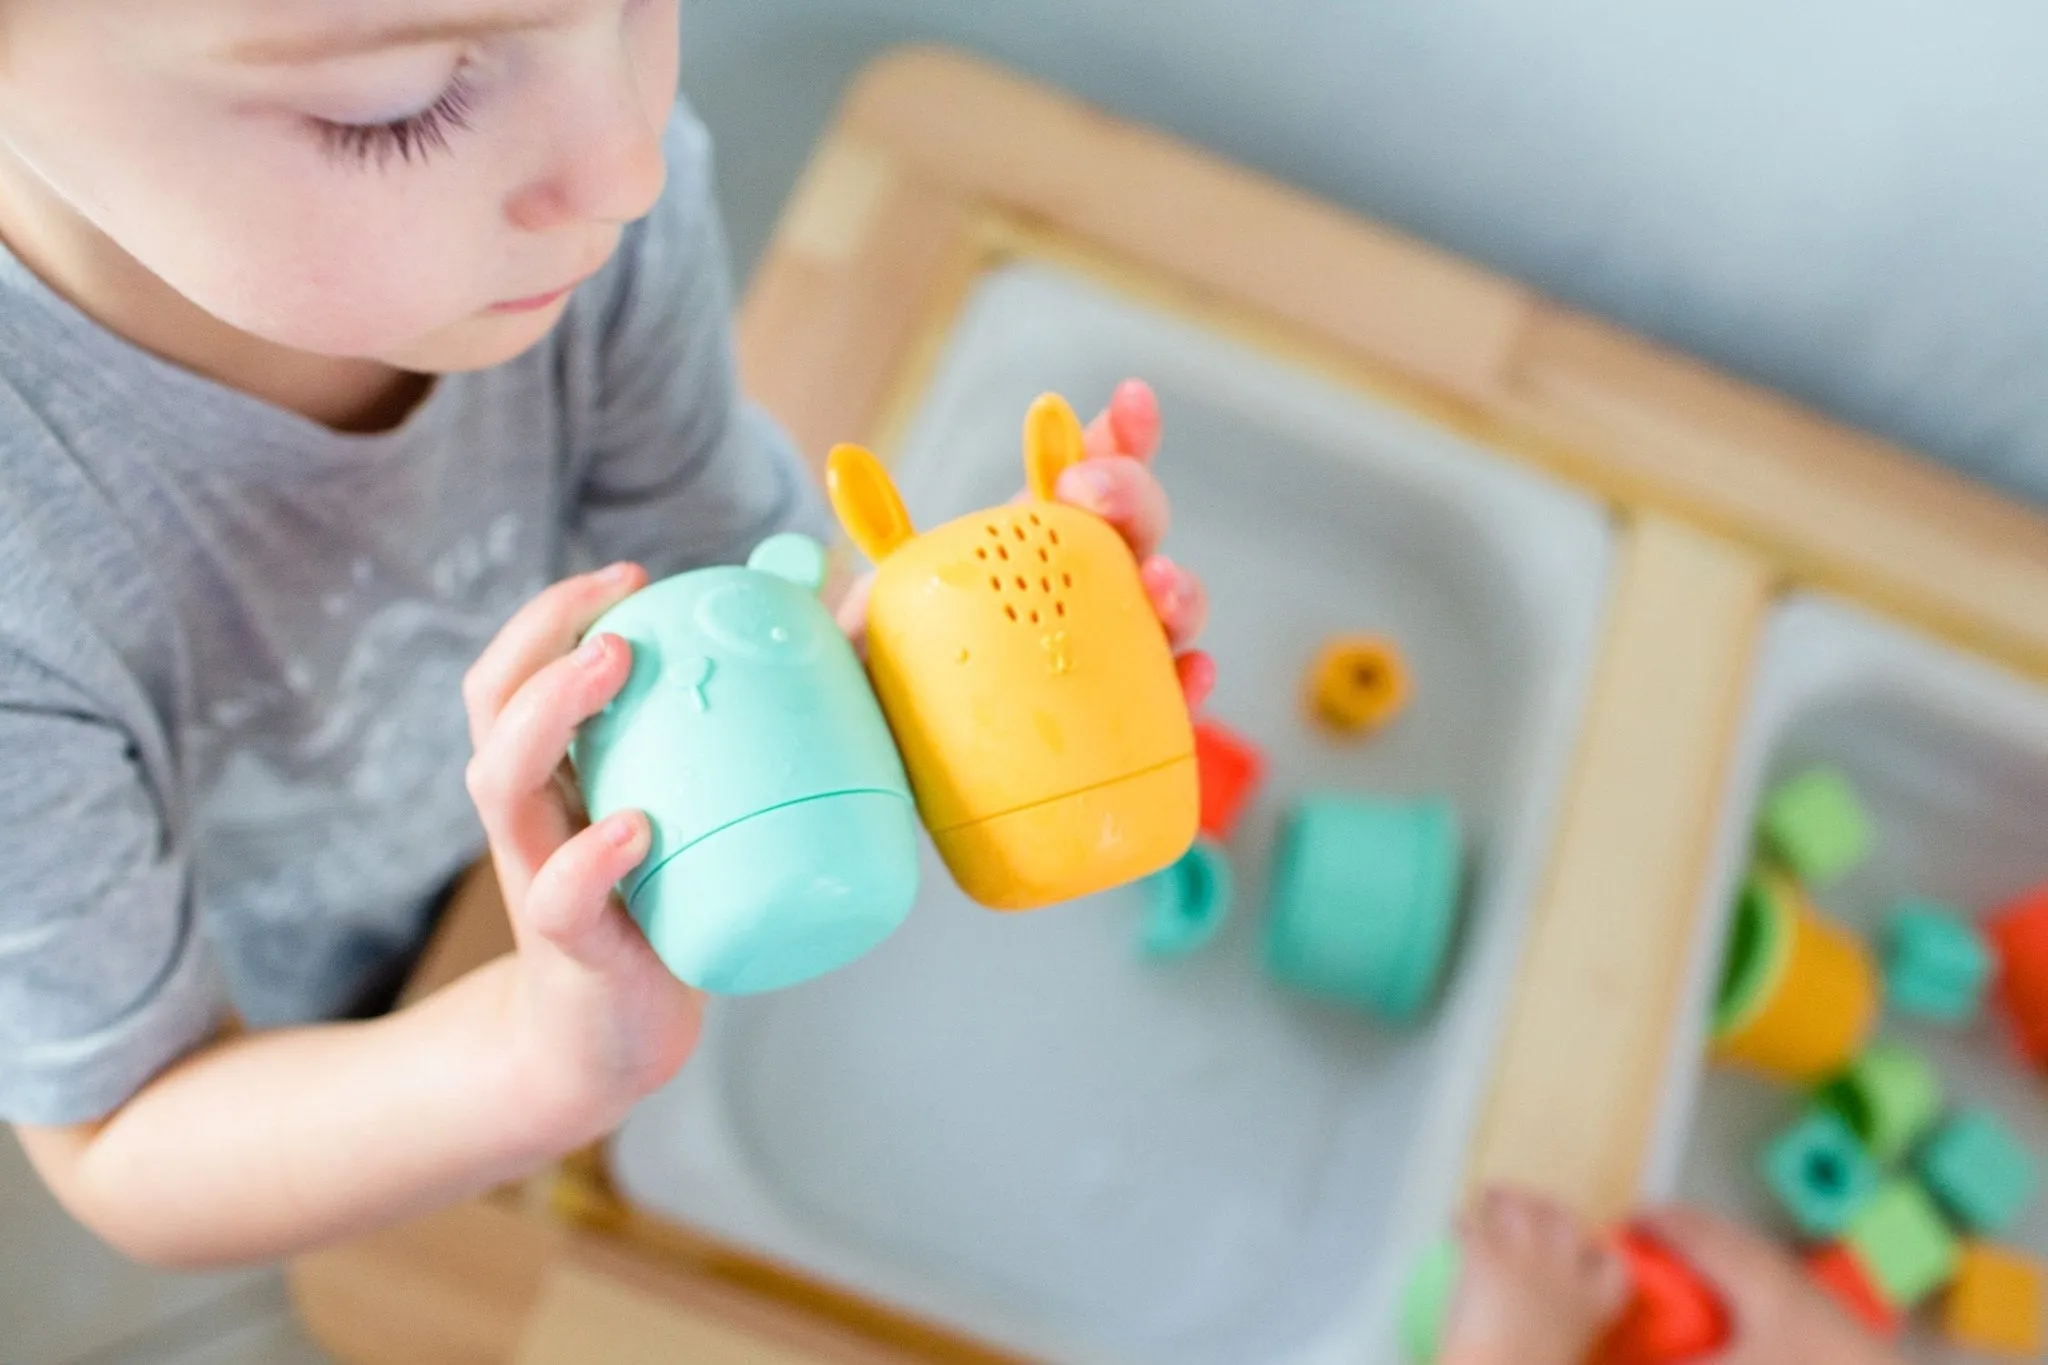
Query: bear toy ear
point(1052, 442)
point(791, 555)
point(866, 502)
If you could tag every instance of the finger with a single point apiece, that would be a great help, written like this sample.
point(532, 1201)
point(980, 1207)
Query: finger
point(1123, 493)
point(1554, 1226)
point(1497, 1218)
point(1128, 426)
point(852, 613)
point(1612, 1284)
point(1179, 599)
point(512, 777)
point(1197, 678)
point(1719, 1249)
point(543, 630)
point(570, 903)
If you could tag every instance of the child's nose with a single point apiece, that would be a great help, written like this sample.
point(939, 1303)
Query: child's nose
point(608, 166)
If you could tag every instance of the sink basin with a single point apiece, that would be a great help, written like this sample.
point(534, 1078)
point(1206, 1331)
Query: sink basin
point(1017, 1125)
point(1950, 757)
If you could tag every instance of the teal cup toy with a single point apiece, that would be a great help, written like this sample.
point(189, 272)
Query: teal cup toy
point(784, 837)
point(1365, 902)
point(1186, 904)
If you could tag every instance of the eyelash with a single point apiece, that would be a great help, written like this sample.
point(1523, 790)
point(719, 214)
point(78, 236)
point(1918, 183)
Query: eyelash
point(414, 136)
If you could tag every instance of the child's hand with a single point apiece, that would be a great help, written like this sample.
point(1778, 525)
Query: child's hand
point(1116, 483)
point(596, 1021)
point(1537, 1287)
point(1779, 1316)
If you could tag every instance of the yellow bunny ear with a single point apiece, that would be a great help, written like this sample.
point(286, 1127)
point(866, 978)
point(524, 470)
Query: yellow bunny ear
point(866, 501)
point(1052, 441)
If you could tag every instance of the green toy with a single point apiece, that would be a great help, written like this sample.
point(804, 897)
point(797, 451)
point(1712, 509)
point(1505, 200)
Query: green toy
point(1889, 1097)
point(1900, 1238)
point(1981, 1174)
point(1936, 964)
point(784, 838)
point(1815, 825)
point(1426, 1301)
point(1365, 902)
point(1187, 903)
point(1821, 1173)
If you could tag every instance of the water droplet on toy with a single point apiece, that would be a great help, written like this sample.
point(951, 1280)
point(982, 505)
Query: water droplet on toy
point(778, 635)
point(1055, 647)
point(961, 657)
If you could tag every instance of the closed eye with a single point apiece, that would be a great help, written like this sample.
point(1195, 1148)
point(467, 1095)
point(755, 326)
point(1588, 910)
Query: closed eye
point(416, 136)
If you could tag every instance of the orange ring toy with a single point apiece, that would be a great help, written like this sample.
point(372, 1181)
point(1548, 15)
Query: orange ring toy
point(1358, 683)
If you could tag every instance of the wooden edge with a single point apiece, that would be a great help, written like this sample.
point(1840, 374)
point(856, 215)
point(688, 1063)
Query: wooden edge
point(453, 1288)
point(1579, 1074)
point(1610, 410)
point(694, 1314)
point(1827, 505)
point(1007, 143)
point(845, 287)
point(582, 1194)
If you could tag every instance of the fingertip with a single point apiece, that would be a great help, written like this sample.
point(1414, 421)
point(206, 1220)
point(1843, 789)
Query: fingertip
point(1091, 485)
point(625, 574)
point(1134, 418)
point(1197, 677)
point(625, 832)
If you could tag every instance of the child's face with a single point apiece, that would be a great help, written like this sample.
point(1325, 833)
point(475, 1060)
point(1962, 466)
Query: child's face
point(417, 182)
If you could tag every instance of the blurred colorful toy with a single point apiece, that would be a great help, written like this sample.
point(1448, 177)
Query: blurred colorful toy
point(1365, 902)
point(1672, 1316)
point(1187, 903)
point(1937, 965)
point(1357, 684)
point(1979, 1172)
point(1889, 1097)
point(1820, 1172)
point(1814, 825)
point(1901, 1242)
point(1229, 769)
point(2019, 937)
point(1798, 993)
point(1995, 1304)
point(784, 840)
point(1837, 1272)
point(1031, 688)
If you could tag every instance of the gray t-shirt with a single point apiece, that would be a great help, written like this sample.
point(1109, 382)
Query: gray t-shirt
point(231, 641)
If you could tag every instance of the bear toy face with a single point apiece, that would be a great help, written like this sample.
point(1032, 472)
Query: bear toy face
point(784, 836)
point(1030, 687)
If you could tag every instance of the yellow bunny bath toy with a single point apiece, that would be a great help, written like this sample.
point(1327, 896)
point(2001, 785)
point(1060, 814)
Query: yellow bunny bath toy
point(1030, 687)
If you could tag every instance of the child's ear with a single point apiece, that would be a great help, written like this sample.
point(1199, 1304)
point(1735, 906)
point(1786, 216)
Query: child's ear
point(1052, 441)
point(866, 501)
point(791, 555)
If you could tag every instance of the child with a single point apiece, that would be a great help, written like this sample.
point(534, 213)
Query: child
point(331, 333)
point(1538, 1288)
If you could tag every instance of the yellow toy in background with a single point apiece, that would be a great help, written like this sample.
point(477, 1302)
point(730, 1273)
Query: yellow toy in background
point(1358, 684)
point(1029, 684)
point(1800, 994)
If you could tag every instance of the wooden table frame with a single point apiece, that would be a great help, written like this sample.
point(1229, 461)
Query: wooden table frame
point(940, 168)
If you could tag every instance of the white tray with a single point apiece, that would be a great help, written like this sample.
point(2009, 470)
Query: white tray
point(1950, 756)
point(1014, 1125)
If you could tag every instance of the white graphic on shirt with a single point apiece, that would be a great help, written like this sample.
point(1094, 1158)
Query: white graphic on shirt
point(339, 790)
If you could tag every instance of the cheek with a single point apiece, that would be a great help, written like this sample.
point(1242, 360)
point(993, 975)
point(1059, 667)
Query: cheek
point(250, 221)
point(658, 57)
point(337, 262)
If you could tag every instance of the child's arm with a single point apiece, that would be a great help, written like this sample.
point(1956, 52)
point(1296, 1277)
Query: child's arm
point(264, 1144)
point(1780, 1318)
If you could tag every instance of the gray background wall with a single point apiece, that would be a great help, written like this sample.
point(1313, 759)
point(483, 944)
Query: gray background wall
point(1844, 199)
